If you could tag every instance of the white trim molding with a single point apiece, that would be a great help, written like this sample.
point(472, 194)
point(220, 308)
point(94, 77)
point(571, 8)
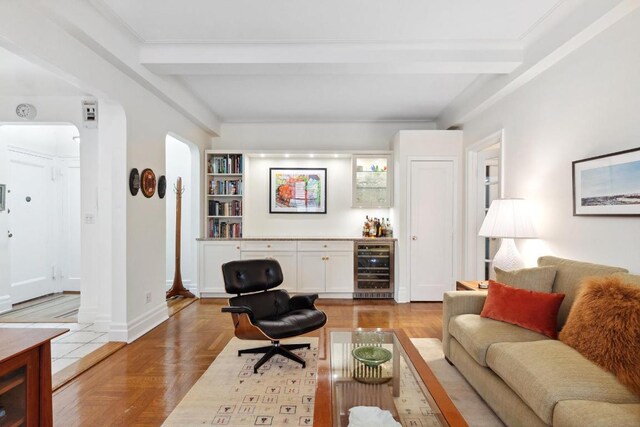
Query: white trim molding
point(470, 221)
point(131, 331)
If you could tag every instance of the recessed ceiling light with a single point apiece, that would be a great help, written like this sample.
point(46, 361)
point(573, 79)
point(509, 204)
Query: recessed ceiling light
point(335, 155)
point(287, 155)
point(312, 155)
point(262, 155)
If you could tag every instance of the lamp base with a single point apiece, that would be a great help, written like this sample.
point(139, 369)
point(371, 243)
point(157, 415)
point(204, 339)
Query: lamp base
point(508, 258)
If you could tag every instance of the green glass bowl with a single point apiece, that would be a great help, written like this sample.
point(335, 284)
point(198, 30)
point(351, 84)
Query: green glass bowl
point(371, 356)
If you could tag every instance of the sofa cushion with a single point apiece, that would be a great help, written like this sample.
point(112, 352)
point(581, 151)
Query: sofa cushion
point(569, 274)
point(629, 279)
point(544, 373)
point(538, 279)
point(477, 333)
point(587, 413)
point(536, 311)
point(604, 326)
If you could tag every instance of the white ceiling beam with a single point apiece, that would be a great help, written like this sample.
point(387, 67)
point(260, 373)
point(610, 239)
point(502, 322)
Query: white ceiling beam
point(331, 58)
point(583, 20)
point(83, 22)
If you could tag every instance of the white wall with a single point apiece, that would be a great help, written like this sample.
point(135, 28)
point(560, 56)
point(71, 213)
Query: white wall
point(312, 136)
point(178, 157)
point(586, 105)
point(134, 227)
point(428, 145)
point(53, 140)
point(340, 220)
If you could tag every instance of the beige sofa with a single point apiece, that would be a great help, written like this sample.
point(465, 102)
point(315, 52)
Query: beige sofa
point(527, 378)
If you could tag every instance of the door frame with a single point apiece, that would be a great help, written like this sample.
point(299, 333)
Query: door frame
point(456, 216)
point(471, 220)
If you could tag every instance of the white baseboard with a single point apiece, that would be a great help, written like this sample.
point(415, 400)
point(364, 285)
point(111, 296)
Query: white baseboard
point(215, 295)
point(5, 303)
point(139, 326)
point(336, 295)
point(87, 314)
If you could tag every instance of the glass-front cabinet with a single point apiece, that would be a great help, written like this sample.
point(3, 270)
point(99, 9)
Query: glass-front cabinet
point(372, 181)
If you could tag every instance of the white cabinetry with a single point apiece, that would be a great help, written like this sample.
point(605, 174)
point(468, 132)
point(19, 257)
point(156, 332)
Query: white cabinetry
point(308, 266)
point(311, 271)
point(211, 255)
point(283, 252)
point(325, 266)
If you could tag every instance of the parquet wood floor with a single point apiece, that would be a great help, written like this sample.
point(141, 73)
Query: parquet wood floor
point(141, 383)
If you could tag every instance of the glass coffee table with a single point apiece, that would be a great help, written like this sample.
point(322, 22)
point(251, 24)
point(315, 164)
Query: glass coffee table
point(378, 368)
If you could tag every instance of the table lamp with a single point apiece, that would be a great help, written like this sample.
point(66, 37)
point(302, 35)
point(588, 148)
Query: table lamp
point(508, 219)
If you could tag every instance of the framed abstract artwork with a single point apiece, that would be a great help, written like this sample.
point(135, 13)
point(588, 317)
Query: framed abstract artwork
point(607, 185)
point(302, 190)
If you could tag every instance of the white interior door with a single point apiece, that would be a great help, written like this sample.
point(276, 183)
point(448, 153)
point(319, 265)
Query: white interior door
point(431, 230)
point(31, 269)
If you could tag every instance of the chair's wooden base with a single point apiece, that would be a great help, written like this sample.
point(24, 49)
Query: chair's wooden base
point(276, 349)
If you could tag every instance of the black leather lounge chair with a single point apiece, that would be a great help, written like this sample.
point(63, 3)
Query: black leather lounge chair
point(259, 313)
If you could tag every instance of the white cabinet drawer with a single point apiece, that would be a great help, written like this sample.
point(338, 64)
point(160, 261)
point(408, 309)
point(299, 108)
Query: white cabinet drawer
point(267, 245)
point(325, 245)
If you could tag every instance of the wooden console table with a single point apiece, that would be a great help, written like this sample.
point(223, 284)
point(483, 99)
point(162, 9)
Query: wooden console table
point(25, 376)
point(468, 285)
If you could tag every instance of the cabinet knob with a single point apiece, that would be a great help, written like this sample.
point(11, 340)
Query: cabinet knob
point(237, 247)
point(325, 246)
point(268, 246)
point(414, 237)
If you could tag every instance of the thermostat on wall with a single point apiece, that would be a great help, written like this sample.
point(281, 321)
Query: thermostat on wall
point(90, 113)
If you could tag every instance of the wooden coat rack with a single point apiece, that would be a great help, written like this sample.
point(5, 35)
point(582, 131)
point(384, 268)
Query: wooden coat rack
point(178, 289)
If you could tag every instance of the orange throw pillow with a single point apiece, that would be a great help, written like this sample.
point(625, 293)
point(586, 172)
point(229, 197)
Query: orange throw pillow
point(537, 311)
point(604, 326)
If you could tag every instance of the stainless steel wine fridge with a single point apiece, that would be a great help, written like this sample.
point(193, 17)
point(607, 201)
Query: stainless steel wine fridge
point(373, 269)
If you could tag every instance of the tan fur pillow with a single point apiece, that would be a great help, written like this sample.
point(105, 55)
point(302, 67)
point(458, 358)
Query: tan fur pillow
point(604, 325)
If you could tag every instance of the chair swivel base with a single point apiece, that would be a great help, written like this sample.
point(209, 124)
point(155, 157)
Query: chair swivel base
point(276, 349)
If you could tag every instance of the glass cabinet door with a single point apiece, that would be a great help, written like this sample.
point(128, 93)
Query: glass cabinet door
point(372, 181)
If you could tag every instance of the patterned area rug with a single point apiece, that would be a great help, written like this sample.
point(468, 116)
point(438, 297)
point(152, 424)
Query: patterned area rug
point(283, 394)
point(474, 410)
point(228, 393)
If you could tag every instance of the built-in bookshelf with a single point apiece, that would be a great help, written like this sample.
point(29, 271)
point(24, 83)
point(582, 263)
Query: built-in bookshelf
point(224, 195)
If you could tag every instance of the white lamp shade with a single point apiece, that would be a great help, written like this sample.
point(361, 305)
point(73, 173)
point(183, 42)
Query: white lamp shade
point(508, 218)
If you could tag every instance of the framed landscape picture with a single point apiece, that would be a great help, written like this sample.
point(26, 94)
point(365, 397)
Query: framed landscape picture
point(302, 190)
point(607, 185)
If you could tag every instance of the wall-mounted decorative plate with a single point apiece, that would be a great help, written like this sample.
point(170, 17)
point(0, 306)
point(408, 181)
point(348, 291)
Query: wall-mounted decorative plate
point(134, 181)
point(148, 183)
point(162, 186)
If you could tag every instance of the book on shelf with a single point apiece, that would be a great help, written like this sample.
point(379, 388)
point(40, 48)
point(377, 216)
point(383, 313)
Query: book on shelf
point(225, 164)
point(226, 187)
point(224, 229)
point(232, 208)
